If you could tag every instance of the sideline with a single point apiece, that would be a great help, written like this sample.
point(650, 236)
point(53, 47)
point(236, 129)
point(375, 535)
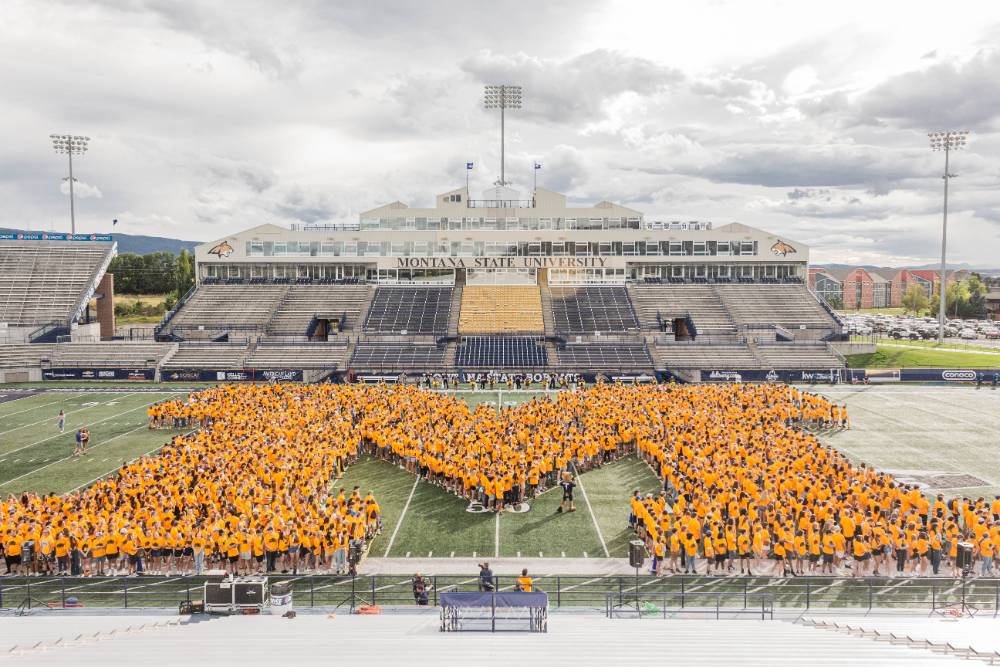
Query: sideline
point(402, 516)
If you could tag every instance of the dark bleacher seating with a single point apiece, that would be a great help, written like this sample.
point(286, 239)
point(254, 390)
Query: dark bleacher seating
point(583, 310)
point(500, 352)
point(397, 357)
point(415, 310)
point(605, 357)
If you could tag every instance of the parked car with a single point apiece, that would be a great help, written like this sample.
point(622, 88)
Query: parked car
point(968, 334)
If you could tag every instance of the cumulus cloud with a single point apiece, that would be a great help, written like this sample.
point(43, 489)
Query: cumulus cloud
point(81, 190)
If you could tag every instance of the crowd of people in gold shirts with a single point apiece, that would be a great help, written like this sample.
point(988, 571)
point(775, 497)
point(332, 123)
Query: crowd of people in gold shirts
point(745, 484)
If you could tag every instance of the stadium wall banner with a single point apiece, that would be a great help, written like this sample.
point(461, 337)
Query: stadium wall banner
point(243, 375)
point(825, 376)
point(502, 263)
point(130, 374)
point(46, 236)
point(946, 374)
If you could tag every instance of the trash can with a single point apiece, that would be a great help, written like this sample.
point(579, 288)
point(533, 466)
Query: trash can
point(281, 598)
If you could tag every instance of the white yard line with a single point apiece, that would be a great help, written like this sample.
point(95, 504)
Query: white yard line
point(43, 405)
point(395, 531)
point(55, 418)
point(49, 465)
point(579, 480)
point(100, 421)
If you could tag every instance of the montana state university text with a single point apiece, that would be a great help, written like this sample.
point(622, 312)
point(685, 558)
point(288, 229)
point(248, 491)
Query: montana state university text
point(500, 262)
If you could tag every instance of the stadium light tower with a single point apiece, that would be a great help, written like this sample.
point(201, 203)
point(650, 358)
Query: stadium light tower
point(70, 144)
point(503, 96)
point(949, 141)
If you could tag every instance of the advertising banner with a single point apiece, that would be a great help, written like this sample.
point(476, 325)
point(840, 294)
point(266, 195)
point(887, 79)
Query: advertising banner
point(48, 236)
point(129, 374)
point(238, 375)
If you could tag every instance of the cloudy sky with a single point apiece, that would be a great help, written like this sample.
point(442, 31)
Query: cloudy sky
point(806, 118)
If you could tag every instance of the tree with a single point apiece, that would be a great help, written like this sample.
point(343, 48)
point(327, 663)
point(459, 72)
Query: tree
point(835, 302)
point(915, 299)
point(183, 273)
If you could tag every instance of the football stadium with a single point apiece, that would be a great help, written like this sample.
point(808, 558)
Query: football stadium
point(518, 424)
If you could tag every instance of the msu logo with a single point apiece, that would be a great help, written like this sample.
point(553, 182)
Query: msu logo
point(779, 248)
point(225, 250)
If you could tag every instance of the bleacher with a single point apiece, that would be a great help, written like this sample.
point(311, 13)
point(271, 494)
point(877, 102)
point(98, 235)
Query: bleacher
point(798, 355)
point(501, 309)
point(24, 356)
point(788, 305)
point(695, 355)
point(111, 354)
point(583, 310)
point(207, 355)
point(415, 310)
point(704, 305)
point(44, 282)
point(604, 357)
point(298, 355)
point(303, 302)
point(219, 308)
point(397, 357)
point(500, 352)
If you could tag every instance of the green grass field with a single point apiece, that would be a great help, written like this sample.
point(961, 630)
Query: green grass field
point(940, 436)
point(899, 357)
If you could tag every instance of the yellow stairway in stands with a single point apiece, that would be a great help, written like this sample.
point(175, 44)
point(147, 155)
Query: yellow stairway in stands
point(501, 309)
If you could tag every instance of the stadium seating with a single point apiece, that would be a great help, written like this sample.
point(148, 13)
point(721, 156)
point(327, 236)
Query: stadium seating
point(44, 282)
point(500, 352)
point(787, 305)
point(112, 354)
point(604, 357)
point(798, 355)
point(397, 357)
point(207, 355)
point(695, 355)
point(415, 310)
point(219, 308)
point(501, 309)
point(582, 310)
point(24, 356)
point(303, 302)
point(298, 355)
point(705, 307)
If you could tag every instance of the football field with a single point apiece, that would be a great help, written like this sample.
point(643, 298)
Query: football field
point(943, 438)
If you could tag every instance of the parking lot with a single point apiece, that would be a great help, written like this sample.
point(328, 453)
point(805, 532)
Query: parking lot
point(983, 333)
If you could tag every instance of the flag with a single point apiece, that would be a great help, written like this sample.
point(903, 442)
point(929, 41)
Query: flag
point(468, 165)
point(114, 222)
point(538, 166)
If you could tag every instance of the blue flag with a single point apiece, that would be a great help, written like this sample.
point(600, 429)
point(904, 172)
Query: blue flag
point(468, 165)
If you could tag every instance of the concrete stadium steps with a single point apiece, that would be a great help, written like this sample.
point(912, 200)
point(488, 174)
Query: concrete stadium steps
point(220, 308)
point(45, 282)
point(303, 302)
point(590, 309)
point(111, 354)
point(927, 634)
point(606, 357)
point(704, 305)
point(501, 309)
point(695, 355)
point(415, 639)
point(797, 355)
point(24, 355)
point(415, 310)
point(270, 355)
point(788, 305)
point(207, 355)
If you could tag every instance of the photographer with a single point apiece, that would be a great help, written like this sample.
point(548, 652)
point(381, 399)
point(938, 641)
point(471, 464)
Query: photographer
point(421, 590)
point(486, 578)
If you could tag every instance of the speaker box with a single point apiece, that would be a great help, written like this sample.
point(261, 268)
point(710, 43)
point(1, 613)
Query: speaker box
point(218, 593)
point(636, 553)
point(249, 593)
point(963, 559)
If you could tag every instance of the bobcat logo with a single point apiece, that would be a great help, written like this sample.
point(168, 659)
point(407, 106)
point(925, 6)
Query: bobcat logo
point(225, 250)
point(779, 248)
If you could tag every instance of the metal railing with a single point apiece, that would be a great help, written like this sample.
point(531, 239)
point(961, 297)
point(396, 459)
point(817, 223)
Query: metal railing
point(651, 605)
point(729, 594)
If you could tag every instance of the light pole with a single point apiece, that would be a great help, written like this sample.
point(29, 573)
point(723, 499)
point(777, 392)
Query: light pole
point(503, 96)
point(949, 141)
point(70, 144)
